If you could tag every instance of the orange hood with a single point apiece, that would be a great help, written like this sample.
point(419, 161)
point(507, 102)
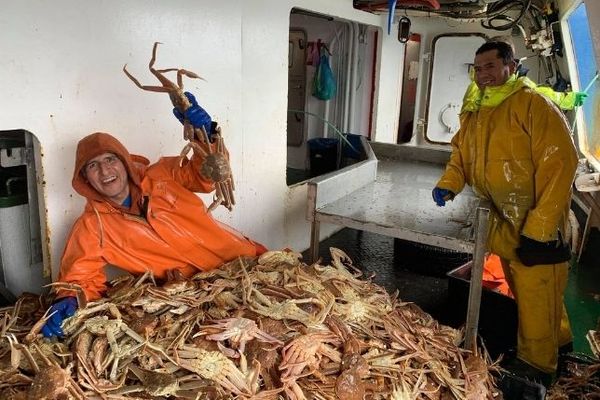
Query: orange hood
point(99, 143)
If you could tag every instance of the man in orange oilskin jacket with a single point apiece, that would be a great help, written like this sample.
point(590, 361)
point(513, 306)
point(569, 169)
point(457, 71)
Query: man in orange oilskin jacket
point(139, 217)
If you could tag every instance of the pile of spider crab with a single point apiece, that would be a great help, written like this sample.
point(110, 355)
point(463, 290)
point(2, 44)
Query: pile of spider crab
point(579, 379)
point(268, 327)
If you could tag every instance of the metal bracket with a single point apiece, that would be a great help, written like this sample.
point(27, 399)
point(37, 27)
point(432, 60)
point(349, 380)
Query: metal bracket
point(315, 224)
point(481, 236)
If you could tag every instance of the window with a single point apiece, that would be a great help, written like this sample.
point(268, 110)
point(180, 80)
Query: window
point(586, 68)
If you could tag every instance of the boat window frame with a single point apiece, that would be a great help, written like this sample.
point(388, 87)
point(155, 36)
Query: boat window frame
point(584, 114)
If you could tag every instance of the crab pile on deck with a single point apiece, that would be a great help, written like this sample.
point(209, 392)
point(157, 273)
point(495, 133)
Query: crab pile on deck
point(257, 328)
point(579, 379)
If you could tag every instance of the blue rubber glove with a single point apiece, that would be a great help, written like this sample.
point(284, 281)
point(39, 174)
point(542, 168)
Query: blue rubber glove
point(60, 310)
point(441, 196)
point(579, 98)
point(197, 116)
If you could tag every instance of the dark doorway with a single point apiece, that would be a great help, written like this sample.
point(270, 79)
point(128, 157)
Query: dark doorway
point(409, 88)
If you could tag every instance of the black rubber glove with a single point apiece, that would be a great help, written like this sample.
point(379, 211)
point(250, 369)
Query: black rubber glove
point(531, 252)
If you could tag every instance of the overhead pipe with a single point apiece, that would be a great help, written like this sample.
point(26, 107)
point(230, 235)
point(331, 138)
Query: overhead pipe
point(340, 106)
point(332, 46)
point(311, 14)
point(353, 77)
point(335, 115)
point(374, 6)
point(373, 78)
point(349, 57)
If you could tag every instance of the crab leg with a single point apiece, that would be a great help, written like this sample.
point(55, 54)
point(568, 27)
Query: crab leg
point(161, 89)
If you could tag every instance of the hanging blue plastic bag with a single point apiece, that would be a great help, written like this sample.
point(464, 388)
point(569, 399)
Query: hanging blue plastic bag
point(324, 82)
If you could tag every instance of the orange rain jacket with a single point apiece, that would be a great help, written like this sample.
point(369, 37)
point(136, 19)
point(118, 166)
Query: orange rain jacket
point(176, 231)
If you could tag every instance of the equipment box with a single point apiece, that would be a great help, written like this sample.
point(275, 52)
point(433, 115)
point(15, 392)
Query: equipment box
point(497, 314)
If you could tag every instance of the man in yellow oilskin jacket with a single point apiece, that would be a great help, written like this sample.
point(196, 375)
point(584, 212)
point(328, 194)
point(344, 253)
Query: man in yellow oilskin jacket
point(515, 150)
point(140, 217)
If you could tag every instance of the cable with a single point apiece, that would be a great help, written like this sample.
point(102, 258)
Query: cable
point(335, 129)
point(497, 11)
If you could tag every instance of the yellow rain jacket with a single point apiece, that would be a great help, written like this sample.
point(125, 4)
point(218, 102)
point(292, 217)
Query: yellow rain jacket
point(514, 148)
point(166, 227)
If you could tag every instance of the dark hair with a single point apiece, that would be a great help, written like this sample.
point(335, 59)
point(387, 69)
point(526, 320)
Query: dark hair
point(505, 51)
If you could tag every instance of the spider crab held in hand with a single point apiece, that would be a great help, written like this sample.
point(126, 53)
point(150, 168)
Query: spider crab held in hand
point(216, 161)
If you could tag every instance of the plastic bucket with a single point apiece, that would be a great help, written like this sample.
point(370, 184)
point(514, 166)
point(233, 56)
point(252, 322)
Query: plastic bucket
point(323, 155)
point(354, 150)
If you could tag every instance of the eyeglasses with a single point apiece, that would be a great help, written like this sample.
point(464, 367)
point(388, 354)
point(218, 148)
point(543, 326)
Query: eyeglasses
point(94, 166)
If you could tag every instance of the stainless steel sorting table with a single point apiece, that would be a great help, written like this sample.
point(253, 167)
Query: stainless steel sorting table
point(389, 193)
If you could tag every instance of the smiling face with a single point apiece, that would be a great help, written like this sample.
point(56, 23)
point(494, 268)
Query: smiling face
point(491, 70)
point(107, 174)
